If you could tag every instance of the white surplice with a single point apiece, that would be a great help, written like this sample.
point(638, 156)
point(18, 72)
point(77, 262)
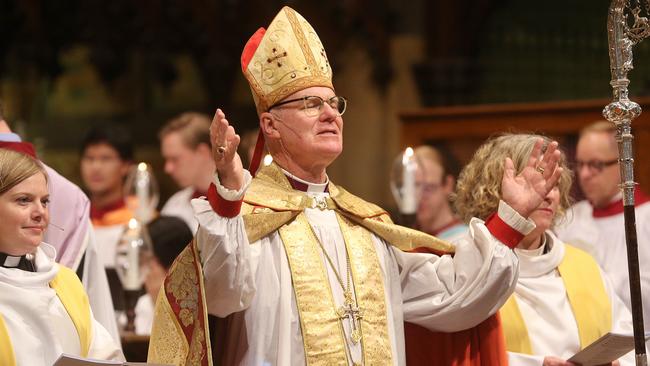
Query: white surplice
point(544, 305)
point(107, 238)
point(38, 325)
point(179, 205)
point(253, 281)
point(604, 239)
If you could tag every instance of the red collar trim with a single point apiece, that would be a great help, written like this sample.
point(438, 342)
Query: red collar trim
point(450, 224)
point(21, 147)
point(300, 186)
point(198, 194)
point(97, 213)
point(616, 207)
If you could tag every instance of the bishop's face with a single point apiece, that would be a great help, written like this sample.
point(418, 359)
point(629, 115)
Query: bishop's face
point(310, 140)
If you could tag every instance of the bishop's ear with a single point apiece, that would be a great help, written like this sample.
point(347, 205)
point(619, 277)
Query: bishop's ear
point(268, 125)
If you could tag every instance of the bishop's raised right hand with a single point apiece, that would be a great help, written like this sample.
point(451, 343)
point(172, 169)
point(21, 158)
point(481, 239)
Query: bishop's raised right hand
point(224, 142)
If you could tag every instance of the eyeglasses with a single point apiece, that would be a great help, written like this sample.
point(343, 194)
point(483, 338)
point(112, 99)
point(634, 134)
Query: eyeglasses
point(313, 105)
point(428, 188)
point(595, 166)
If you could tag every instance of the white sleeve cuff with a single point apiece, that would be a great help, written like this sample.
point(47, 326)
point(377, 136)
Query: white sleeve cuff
point(229, 194)
point(514, 219)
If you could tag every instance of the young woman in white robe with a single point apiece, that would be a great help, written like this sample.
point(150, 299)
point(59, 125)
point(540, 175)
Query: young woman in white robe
point(44, 310)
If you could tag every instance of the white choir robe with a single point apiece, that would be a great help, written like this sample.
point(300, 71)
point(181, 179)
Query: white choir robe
point(604, 239)
point(38, 325)
point(107, 238)
point(179, 205)
point(144, 310)
point(254, 281)
point(546, 311)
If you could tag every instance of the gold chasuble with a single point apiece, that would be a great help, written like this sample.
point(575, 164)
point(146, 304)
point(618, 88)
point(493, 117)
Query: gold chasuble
point(271, 204)
point(590, 304)
point(70, 291)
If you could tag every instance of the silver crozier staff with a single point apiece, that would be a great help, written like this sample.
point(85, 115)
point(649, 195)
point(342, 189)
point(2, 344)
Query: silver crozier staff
point(621, 37)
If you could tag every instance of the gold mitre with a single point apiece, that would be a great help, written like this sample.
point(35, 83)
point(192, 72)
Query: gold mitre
point(285, 58)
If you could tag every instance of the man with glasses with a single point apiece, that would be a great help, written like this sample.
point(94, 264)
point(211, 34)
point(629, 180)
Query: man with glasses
point(305, 272)
point(596, 224)
point(434, 214)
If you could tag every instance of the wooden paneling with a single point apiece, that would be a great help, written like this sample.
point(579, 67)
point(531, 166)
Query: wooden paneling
point(463, 128)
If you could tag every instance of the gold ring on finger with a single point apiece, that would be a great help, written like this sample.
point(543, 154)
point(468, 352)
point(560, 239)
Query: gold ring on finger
point(540, 169)
point(221, 149)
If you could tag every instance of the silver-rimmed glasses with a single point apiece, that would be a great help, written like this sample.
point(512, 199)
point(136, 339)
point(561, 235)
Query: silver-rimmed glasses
point(313, 104)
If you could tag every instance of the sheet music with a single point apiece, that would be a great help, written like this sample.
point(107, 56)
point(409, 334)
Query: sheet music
point(606, 349)
point(69, 360)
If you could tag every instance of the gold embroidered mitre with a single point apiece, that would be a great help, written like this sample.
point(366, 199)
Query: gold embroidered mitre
point(285, 58)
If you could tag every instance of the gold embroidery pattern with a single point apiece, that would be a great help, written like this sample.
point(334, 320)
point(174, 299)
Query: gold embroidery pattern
point(271, 189)
point(183, 300)
point(302, 41)
point(369, 290)
point(321, 329)
point(167, 344)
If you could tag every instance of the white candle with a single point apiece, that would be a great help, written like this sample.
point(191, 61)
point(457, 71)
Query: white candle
point(142, 192)
point(132, 268)
point(409, 203)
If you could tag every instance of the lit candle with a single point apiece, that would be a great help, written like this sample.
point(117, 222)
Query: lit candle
point(132, 268)
point(142, 193)
point(409, 203)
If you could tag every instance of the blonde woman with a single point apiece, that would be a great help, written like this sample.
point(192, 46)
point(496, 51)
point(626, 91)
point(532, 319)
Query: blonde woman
point(552, 314)
point(44, 310)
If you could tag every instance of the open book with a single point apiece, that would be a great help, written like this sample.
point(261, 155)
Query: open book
point(69, 360)
point(606, 349)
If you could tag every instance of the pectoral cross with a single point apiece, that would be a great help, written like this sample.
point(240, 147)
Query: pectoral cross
point(354, 314)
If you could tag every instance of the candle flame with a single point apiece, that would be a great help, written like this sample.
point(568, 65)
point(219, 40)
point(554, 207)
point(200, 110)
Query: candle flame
point(133, 224)
point(142, 166)
point(408, 153)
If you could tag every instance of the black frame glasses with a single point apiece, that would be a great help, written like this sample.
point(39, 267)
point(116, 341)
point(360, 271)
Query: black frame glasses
point(595, 165)
point(313, 104)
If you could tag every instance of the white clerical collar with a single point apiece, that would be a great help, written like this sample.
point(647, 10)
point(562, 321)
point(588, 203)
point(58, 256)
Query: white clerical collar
point(24, 262)
point(11, 261)
point(306, 186)
point(543, 260)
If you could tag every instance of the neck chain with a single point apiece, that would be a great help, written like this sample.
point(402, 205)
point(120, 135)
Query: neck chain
point(350, 309)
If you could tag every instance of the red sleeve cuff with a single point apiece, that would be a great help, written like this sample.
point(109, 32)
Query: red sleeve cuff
point(222, 206)
point(502, 231)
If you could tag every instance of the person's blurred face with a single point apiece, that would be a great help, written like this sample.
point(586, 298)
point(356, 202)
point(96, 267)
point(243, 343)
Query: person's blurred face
point(309, 141)
point(24, 216)
point(155, 278)
point(599, 186)
point(434, 190)
point(544, 215)
point(184, 164)
point(102, 169)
